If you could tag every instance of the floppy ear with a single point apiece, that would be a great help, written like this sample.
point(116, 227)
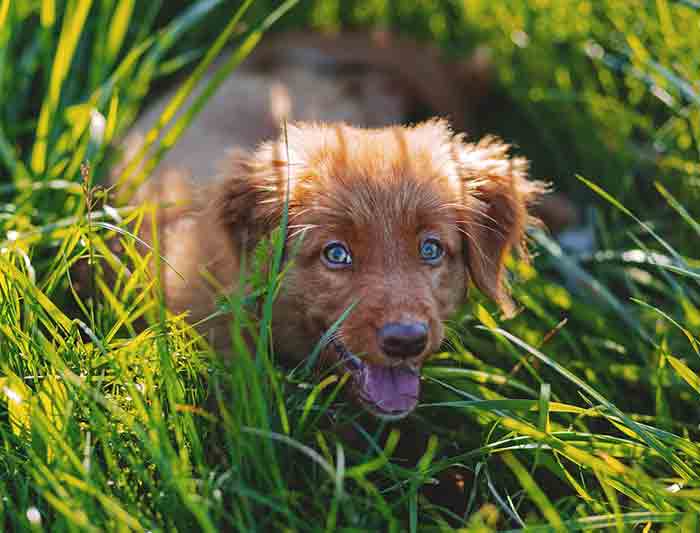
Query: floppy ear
point(496, 195)
point(248, 203)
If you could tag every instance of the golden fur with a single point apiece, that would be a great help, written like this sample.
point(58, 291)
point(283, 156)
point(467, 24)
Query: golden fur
point(380, 192)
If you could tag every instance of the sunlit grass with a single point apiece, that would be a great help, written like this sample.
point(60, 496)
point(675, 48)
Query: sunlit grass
point(580, 413)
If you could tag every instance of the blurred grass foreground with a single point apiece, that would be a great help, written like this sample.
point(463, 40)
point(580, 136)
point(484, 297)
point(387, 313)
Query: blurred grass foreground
point(583, 412)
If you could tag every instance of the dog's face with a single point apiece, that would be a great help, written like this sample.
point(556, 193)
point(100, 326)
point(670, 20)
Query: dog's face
point(393, 224)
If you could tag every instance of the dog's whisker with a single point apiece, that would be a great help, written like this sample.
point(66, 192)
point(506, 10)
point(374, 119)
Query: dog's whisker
point(489, 229)
point(479, 211)
point(301, 229)
point(482, 255)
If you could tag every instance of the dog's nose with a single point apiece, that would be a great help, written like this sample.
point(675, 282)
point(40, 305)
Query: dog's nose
point(403, 339)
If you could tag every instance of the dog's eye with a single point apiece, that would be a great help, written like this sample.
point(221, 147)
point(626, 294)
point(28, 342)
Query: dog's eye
point(336, 254)
point(431, 250)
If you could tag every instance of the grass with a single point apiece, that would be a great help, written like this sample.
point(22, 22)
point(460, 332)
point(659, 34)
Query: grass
point(580, 413)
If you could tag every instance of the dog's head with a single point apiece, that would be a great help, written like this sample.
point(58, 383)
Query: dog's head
point(395, 222)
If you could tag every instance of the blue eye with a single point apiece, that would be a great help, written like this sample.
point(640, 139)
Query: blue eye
point(431, 250)
point(336, 254)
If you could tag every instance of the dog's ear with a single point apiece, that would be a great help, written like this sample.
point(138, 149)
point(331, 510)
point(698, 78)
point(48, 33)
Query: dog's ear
point(249, 201)
point(496, 195)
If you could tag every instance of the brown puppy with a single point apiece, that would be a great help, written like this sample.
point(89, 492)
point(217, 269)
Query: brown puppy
point(395, 220)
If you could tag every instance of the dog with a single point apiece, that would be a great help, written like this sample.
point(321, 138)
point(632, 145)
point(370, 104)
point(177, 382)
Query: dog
point(394, 221)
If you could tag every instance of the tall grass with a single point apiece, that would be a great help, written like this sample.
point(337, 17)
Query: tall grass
point(580, 413)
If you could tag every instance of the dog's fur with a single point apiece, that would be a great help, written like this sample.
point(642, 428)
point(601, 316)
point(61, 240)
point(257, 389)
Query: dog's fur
point(358, 78)
point(378, 191)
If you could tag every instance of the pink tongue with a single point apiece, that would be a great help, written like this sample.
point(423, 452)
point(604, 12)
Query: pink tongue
point(392, 390)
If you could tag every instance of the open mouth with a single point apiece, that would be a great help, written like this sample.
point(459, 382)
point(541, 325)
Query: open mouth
point(389, 392)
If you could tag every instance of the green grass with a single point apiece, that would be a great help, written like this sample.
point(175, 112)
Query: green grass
point(580, 413)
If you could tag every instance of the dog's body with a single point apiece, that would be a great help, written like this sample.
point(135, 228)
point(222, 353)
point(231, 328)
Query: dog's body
point(395, 221)
point(373, 80)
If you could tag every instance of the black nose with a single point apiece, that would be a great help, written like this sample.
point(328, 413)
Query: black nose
point(403, 339)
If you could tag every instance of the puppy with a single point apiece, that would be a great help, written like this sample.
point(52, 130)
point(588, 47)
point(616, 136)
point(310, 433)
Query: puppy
point(395, 221)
